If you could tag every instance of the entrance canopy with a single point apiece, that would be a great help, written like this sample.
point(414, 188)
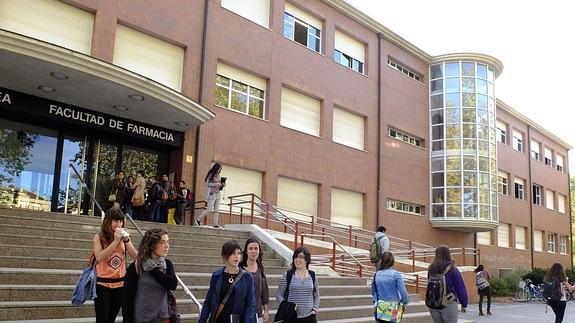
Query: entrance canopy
point(41, 69)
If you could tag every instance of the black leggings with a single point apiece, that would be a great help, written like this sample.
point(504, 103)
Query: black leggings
point(107, 304)
point(485, 292)
point(559, 310)
point(308, 319)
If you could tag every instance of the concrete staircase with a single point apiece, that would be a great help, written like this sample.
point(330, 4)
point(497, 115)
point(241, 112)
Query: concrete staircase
point(43, 254)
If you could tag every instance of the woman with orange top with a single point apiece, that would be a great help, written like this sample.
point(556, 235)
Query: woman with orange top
point(110, 246)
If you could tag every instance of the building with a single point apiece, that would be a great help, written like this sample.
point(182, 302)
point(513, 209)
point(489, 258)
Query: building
point(318, 109)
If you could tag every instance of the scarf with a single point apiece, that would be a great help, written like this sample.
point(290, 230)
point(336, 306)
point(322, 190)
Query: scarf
point(151, 264)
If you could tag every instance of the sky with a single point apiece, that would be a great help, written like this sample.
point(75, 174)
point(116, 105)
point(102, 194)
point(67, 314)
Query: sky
point(533, 39)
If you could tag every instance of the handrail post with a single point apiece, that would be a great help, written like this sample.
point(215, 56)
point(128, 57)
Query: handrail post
point(478, 257)
point(296, 233)
point(267, 216)
point(360, 270)
point(241, 216)
point(350, 229)
point(231, 203)
point(333, 256)
point(252, 211)
point(301, 240)
point(67, 190)
point(410, 245)
point(464, 256)
point(312, 223)
point(285, 225)
point(417, 284)
point(412, 260)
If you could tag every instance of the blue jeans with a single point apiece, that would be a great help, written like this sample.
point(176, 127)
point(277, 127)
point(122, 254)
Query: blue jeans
point(448, 314)
point(154, 212)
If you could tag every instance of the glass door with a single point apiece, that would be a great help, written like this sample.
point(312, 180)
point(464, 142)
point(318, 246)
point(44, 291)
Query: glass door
point(70, 195)
point(105, 159)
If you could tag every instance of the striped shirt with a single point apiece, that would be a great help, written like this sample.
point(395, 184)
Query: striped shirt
point(301, 293)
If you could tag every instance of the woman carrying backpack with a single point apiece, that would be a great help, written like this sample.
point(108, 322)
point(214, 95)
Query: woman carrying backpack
point(557, 273)
point(443, 308)
point(482, 277)
point(388, 286)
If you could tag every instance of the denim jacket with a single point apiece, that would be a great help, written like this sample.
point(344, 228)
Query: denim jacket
point(85, 287)
point(388, 286)
point(244, 301)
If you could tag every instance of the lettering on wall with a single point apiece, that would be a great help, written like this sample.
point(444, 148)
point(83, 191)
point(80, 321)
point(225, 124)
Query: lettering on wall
point(5, 98)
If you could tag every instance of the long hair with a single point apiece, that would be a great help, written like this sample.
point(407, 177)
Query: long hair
point(442, 256)
point(259, 261)
point(386, 260)
point(479, 269)
point(106, 234)
point(149, 241)
point(213, 171)
point(305, 252)
point(556, 271)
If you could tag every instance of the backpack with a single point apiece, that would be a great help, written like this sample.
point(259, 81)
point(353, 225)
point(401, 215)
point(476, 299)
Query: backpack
point(480, 281)
point(189, 196)
point(173, 193)
point(436, 295)
point(162, 194)
point(289, 276)
point(375, 249)
point(552, 290)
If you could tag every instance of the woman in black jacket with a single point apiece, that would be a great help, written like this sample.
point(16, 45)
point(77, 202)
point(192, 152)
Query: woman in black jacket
point(149, 280)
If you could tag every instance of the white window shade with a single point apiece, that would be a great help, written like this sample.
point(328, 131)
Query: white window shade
point(241, 76)
point(303, 16)
point(300, 112)
point(561, 203)
point(503, 235)
point(50, 21)
point(297, 196)
point(519, 181)
point(346, 207)
point(548, 153)
point(348, 128)
point(549, 200)
point(149, 56)
point(535, 146)
point(501, 125)
point(517, 134)
point(502, 174)
point(484, 238)
point(257, 11)
point(538, 240)
point(520, 237)
point(349, 46)
point(241, 181)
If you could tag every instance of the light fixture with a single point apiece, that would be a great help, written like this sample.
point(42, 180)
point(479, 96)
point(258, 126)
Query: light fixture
point(59, 76)
point(181, 124)
point(46, 89)
point(136, 97)
point(120, 107)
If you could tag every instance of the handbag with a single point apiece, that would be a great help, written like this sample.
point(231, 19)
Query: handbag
point(137, 201)
point(386, 311)
point(286, 312)
point(225, 300)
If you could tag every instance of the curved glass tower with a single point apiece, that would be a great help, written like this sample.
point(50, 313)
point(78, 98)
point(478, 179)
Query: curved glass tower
point(463, 155)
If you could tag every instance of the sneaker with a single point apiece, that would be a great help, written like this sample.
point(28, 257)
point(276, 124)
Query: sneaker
point(480, 313)
point(217, 227)
point(198, 223)
point(489, 313)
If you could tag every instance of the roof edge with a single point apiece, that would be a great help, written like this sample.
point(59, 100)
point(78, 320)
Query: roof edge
point(495, 63)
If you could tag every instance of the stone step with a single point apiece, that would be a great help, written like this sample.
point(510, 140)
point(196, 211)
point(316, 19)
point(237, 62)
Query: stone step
point(14, 293)
point(40, 276)
point(52, 252)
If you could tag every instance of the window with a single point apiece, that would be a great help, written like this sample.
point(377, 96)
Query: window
point(517, 140)
point(502, 182)
point(302, 27)
point(501, 132)
point(346, 207)
point(300, 112)
point(563, 244)
point(537, 195)
point(549, 199)
point(503, 235)
point(408, 72)
point(348, 128)
point(349, 52)
point(560, 161)
point(535, 149)
point(257, 11)
point(149, 56)
point(548, 157)
point(405, 207)
point(561, 203)
point(538, 240)
point(551, 242)
point(520, 237)
point(244, 181)
point(240, 91)
point(519, 186)
point(51, 21)
point(297, 196)
point(399, 135)
point(484, 238)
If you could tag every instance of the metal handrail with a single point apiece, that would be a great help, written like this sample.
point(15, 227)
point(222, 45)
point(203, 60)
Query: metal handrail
point(358, 263)
point(84, 186)
point(186, 289)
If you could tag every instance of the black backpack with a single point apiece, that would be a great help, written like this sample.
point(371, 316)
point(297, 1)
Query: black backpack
point(289, 276)
point(552, 290)
point(436, 294)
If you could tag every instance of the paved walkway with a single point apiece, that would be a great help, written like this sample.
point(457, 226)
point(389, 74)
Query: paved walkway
point(518, 312)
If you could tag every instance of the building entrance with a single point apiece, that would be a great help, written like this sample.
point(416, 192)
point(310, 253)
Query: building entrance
point(35, 172)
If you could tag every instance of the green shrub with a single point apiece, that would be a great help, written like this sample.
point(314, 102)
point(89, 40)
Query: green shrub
point(570, 274)
point(536, 275)
point(504, 286)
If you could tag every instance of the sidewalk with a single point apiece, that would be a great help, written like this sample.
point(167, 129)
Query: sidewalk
point(517, 312)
